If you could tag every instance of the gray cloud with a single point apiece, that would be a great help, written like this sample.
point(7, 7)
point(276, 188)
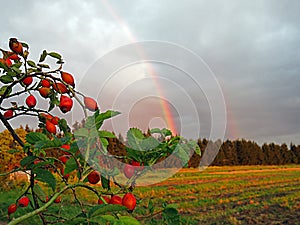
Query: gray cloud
point(253, 47)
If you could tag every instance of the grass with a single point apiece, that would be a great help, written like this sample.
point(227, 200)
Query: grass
point(217, 195)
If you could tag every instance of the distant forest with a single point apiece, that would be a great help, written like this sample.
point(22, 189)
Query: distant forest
point(238, 152)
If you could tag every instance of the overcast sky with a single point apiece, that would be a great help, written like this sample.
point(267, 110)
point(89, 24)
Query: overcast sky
point(251, 47)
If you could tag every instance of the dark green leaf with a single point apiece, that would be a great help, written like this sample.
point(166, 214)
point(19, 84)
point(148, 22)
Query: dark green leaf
point(6, 79)
point(13, 151)
point(34, 137)
point(39, 191)
point(103, 219)
point(31, 63)
point(43, 56)
point(108, 208)
point(25, 45)
point(150, 206)
point(55, 55)
point(171, 216)
point(134, 137)
point(149, 143)
point(63, 125)
point(46, 177)
point(27, 160)
point(105, 182)
point(71, 165)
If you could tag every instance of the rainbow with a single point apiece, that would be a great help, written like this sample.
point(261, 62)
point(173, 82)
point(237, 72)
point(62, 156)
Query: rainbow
point(167, 112)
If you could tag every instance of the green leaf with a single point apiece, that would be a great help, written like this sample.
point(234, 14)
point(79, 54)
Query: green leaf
point(108, 208)
point(4, 66)
point(39, 191)
point(55, 55)
point(6, 79)
point(171, 216)
point(43, 56)
point(181, 153)
point(34, 137)
point(25, 45)
point(16, 69)
point(46, 177)
point(103, 219)
point(71, 165)
point(105, 134)
point(63, 125)
point(43, 65)
point(127, 220)
point(31, 63)
point(13, 151)
point(149, 143)
point(4, 89)
point(81, 132)
point(77, 220)
point(105, 182)
point(151, 206)
point(27, 160)
point(134, 137)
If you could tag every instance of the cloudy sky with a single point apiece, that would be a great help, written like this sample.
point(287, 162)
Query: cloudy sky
point(248, 54)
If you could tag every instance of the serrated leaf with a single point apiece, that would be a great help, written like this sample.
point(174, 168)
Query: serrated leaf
point(17, 70)
point(27, 160)
point(39, 191)
point(43, 65)
point(46, 177)
point(108, 208)
point(54, 55)
point(4, 89)
point(103, 219)
point(100, 118)
point(31, 63)
point(71, 165)
point(34, 137)
point(127, 220)
point(43, 56)
point(105, 182)
point(134, 137)
point(81, 132)
point(149, 143)
point(25, 45)
point(6, 79)
point(105, 134)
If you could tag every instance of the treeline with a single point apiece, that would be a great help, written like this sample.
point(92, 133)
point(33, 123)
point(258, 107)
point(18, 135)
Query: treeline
point(237, 152)
point(245, 152)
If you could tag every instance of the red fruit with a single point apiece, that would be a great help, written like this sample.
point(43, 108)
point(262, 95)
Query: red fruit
point(46, 199)
point(64, 158)
point(107, 199)
point(8, 114)
point(50, 127)
point(59, 87)
point(58, 199)
point(27, 81)
point(24, 201)
point(116, 200)
point(12, 208)
point(8, 62)
point(68, 78)
point(46, 83)
point(94, 177)
point(129, 171)
point(15, 46)
point(37, 161)
point(14, 56)
point(67, 147)
point(137, 166)
point(30, 101)
point(129, 201)
point(65, 104)
point(90, 103)
point(55, 120)
point(44, 91)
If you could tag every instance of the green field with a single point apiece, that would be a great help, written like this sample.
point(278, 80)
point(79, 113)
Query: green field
point(217, 195)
